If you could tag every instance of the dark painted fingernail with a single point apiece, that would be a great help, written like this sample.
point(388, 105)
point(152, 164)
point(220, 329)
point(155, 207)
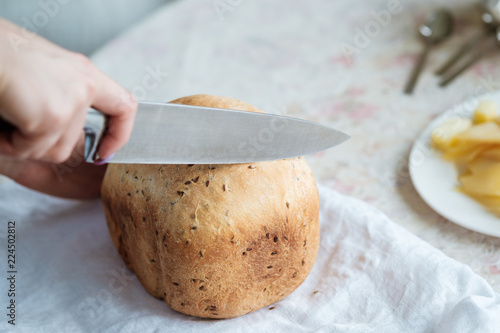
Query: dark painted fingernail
point(104, 161)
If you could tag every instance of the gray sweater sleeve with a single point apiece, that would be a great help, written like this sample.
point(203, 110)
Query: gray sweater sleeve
point(78, 25)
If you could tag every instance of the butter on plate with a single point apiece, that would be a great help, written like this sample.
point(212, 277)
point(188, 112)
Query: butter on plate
point(474, 145)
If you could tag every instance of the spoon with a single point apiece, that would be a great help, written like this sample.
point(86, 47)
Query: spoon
point(490, 16)
point(437, 26)
point(479, 53)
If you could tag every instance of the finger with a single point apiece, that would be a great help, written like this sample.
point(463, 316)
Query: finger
point(62, 150)
point(82, 181)
point(118, 103)
point(80, 145)
point(11, 167)
point(22, 146)
point(11, 109)
point(6, 147)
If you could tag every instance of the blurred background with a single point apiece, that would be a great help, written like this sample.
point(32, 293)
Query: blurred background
point(78, 25)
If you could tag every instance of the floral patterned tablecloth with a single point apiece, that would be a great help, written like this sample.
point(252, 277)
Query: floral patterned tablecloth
point(341, 63)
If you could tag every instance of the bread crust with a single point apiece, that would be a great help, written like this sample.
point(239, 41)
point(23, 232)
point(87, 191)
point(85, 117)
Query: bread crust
point(215, 241)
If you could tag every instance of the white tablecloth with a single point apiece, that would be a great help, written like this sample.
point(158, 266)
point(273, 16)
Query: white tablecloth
point(371, 275)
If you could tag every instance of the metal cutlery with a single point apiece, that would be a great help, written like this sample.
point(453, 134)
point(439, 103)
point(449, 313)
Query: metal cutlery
point(437, 27)
point(479, 43)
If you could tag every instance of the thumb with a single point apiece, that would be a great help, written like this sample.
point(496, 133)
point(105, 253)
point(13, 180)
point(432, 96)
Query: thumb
point(11, 167)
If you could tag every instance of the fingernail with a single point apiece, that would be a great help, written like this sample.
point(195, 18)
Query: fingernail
point(104, 161)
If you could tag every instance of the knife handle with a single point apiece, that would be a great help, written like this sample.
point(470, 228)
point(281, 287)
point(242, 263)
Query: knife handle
point(94, 128)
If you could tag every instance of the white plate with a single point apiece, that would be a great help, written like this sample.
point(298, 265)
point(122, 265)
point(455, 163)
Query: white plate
point(435, 179)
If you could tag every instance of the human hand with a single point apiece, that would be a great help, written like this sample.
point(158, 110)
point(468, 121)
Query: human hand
point(45, 92)
point(73, 179)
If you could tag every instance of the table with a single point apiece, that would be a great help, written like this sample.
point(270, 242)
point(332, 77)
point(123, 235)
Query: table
point(341, 63)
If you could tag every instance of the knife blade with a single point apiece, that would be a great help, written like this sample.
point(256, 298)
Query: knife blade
point(166, 133)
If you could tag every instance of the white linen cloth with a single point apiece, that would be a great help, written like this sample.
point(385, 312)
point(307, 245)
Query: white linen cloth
point(371, 275)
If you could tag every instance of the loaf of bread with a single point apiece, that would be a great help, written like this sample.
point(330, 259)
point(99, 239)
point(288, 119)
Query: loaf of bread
point(215, 241)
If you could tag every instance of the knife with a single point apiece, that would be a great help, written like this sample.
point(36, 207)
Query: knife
point(166, 133)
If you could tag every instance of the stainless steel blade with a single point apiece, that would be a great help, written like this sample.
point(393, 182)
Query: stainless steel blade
point(181, 134)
